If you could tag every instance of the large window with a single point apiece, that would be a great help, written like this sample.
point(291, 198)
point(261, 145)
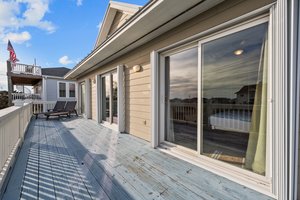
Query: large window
point(72, 90)
point(62, 89)
point(234, 98)
point(216, 97)
point(66, 90)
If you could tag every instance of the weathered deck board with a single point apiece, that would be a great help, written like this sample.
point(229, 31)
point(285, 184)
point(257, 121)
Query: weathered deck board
point(79, 159)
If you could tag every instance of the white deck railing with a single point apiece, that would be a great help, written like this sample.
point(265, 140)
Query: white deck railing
point(26, 69)
point(13, 124)
point(187, 112)
point(22, 96)
point(184, 112)
point(42, 106)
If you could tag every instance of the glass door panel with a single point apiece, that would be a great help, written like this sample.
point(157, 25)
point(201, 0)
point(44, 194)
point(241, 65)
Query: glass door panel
point(234, 98)
point(114, 98)
point(82, 98)
point(110, 97)
point(181, 71)
point(106, 98)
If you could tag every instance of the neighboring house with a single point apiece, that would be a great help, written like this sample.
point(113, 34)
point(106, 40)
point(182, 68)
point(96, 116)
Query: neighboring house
point(246, 94)
point(48, 83)
point(155, 74)
point(54, 87)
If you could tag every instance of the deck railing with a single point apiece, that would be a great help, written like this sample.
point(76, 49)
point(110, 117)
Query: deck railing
point(13, 124)
point(23, 96)
point(42, 106)
point(19, 68)
point(187, 112)
point(184, 112)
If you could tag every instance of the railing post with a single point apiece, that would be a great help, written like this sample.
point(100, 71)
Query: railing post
point(9, 83)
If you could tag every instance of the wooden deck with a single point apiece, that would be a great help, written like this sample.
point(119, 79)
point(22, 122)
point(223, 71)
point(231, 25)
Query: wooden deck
point(79, 159)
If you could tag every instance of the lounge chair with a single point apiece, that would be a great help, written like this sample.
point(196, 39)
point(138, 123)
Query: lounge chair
point(70, 107)
point(59, 106)
point(67, 111)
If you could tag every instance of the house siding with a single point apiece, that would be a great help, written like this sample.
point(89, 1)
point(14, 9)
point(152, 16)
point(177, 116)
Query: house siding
point(51, 90)
point(138, 85)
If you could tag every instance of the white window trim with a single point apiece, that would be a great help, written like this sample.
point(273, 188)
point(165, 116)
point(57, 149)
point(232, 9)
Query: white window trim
point(67, 90)
point(58, 95)
point(120, 127)
point(273, 184)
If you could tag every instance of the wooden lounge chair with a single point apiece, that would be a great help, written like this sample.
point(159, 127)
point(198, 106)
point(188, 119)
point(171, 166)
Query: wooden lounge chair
point(59, 106)
point(67, 111)
point(70, 107)
point(57, 114)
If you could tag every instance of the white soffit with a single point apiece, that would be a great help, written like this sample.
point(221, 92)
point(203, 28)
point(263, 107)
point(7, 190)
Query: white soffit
point(154, 19)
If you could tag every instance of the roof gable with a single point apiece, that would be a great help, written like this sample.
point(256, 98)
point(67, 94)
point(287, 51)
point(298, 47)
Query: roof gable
point(116, 15)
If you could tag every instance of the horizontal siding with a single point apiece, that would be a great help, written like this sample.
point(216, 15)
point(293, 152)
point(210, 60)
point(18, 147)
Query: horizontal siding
point(138, 84)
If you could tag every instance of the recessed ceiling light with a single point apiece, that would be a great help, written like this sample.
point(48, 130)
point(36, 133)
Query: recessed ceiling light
point(238, 52)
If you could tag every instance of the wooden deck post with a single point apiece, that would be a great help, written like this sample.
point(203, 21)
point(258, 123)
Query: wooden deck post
point(9, 83)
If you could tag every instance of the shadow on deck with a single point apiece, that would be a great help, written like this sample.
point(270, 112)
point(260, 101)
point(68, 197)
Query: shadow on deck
point(79, 159)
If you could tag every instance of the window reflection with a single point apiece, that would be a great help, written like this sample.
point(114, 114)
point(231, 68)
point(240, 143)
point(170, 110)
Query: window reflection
point(115, 97)
point(181, 93)
point(105, 98)
point(234, 92)
point(82, 97)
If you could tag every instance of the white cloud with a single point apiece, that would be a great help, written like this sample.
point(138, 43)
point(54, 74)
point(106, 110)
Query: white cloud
point(65, 60)
point(3, 77)
point(99, 25)
point(79, 2)
point(17, 37)
point(17, 14)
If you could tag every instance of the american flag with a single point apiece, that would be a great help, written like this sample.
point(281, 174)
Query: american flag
point(12, 54)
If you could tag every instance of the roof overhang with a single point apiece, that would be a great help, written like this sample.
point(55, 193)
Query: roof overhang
point(151, 21)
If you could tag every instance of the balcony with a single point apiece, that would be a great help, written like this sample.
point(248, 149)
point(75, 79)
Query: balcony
point(75, 158)
point(19, 68)
point(24, 96)
point(22, 74)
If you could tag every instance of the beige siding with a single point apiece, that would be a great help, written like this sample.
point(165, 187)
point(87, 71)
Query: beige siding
point(138, 84)
point(118, 21)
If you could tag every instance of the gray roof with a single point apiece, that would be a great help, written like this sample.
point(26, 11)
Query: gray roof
point(55, 71)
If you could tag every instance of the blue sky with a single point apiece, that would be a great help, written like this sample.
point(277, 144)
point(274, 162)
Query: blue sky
point(55, 32)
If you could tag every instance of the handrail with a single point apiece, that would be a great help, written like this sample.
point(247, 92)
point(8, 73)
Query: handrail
point(14, 121)
point(42, 106)
point(19, 68)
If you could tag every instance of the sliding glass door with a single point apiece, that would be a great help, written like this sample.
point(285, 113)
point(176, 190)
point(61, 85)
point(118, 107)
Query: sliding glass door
point(181, 94)
point(109, 93)
point(216, 97)
point(234, 87)
point(82, 98)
